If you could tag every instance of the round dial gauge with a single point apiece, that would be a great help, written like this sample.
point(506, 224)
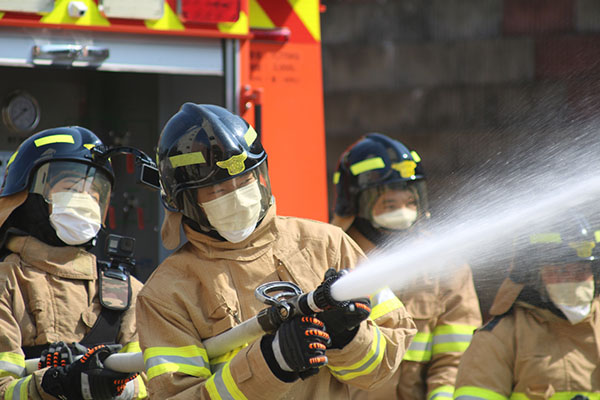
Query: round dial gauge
point(21, 112)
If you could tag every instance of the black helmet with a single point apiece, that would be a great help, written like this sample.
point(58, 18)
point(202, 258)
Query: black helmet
point(373, 162)
point(57, 144)
point(203, 145)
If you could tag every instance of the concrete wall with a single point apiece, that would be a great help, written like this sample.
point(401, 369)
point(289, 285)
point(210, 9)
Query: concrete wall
point(458, 80)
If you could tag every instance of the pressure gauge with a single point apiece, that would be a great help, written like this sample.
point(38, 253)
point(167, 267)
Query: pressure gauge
point(21, 112)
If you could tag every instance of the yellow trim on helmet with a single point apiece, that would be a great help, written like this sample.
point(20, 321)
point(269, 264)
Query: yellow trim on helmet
point(550, 237)
point(336, 178)
point(235, 164)
point(183, 160)
point(250, 136)
point(53, 139)
point(583, 249)
point(89, 146)
point(12, 158)
point(415, 156)
point(367, 165)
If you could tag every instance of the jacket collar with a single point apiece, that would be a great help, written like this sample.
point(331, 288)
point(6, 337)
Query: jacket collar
point(254, 246)
point(66, 262)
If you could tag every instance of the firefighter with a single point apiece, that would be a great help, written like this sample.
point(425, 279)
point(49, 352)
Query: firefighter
point(381, 196)
point(54, 303)
point(544, 338)
point(213, 172)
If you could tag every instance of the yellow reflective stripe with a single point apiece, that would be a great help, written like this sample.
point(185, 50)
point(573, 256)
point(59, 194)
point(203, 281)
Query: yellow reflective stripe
point(596, 233)
point(406, 168)
point(560, 396)
point(309, 14)
point(222, 386)
point(250, 136)
point(131, 347)
point(240, 27)
point(385, 307)
point(218, 362)
point(142, 392)
point(53, 139)
point(89, 146)
point(476, 393)
point(442, 392)
point(60, 15)
point(191, 360)
point(419, 349)
point(12, 364)
point(367, 165)
point(11, 159)
point(550, 237)
point(336, 178)
point(415, 156)
point(18, 389)
point(452, 338)
point(182, 160)
point(367, 364)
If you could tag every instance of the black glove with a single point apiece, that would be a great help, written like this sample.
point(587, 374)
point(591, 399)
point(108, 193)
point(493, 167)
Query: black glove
point(297, 349)
point(342, 319)
point(87, 378)
point(60, 354)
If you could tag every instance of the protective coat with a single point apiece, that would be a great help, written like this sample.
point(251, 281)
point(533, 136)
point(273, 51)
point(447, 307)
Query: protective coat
point(49, 294)
point(528, 352)
point(446, 311)
point(207, 287)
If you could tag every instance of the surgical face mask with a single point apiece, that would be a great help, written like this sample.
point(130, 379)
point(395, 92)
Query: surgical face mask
point(75, 217)
point(574, 299)
point(235, 214)
point(401, 218)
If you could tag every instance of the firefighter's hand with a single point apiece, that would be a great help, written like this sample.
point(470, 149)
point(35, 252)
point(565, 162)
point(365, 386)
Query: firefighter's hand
point(342, 319)
point(87, 378)
point(60, 354)
point(297, 349)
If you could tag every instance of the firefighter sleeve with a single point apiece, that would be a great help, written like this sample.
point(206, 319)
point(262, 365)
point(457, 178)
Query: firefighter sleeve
point(485, 371)
point(452, 333)
point(374, 354)
point(178, 366)
point(14, 381)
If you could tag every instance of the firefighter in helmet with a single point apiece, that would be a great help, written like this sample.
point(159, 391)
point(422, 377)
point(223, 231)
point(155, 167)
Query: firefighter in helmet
point(53, 201)
point(213, 172)
point(544, 338)
point(381, 197)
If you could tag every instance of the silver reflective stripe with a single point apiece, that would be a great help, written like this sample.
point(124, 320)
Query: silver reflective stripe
point(17, 389)
point(367, 363)
point(197, 361)
point(216, 367)
point(381, 297)
point(441, 394)
point(469, 397)
point(220, 385)
point(452, 338)
point(12, 369)
point(420, 346)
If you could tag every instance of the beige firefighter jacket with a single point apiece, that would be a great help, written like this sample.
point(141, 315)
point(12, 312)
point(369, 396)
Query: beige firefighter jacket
point(207, 287)
point(446, 312)
point(531, 353)
point(49, 294)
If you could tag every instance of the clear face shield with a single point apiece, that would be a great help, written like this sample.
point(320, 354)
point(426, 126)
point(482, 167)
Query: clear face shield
point(394, 206)
point(232, 207)
point(58, 179)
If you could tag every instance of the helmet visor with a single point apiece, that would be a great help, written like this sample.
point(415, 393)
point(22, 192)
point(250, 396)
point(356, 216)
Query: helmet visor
point(193, 197)
point(388, 198)
point(71, 176)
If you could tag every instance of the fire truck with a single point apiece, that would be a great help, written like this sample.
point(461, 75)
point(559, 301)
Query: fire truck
point(122, 67)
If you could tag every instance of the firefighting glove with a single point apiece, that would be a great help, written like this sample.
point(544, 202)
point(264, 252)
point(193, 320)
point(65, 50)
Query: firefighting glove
point(60, 354)
point(342, 319)
point(297, 349)
point(87, 378)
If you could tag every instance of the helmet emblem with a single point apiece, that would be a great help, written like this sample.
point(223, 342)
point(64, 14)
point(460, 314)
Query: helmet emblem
point(235, 164)
point(406, 168)
point(583, 249)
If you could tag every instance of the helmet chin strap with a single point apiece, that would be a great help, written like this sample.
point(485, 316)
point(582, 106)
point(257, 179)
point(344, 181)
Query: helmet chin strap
point(376, 236)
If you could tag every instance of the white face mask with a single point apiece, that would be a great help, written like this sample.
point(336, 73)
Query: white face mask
point(574, 299)
point(235, 214)
point(76, 217)
point(401, 218)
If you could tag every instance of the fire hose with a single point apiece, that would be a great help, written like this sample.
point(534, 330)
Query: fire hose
point(285, 300)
